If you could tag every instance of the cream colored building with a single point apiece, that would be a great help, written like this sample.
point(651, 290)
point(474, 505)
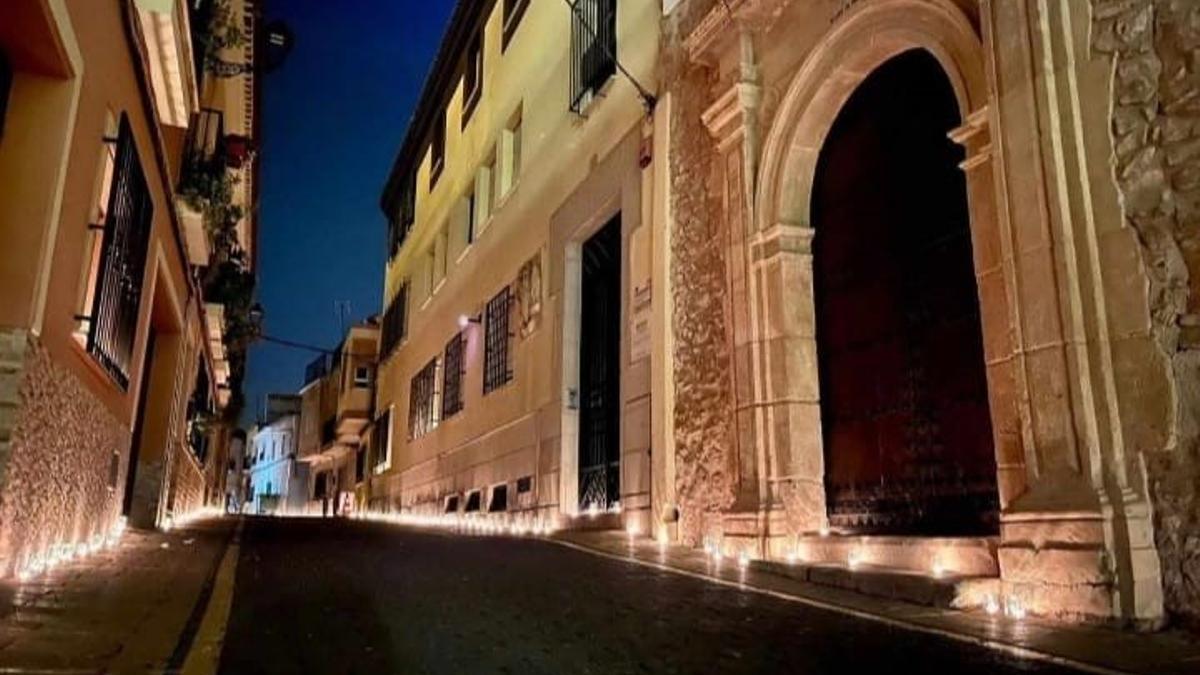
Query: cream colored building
point(112, 364)
point(519, 207)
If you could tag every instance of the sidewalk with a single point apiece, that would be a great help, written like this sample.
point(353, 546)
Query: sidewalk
point(119, 610)
point(1091, 648)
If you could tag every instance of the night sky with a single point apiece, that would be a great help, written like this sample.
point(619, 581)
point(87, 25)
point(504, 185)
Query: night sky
point(334, 116)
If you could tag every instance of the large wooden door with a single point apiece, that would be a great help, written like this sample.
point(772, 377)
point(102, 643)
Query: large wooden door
point(907, 429)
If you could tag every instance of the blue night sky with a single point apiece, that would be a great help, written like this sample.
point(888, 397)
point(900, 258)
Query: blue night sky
point(334, 116)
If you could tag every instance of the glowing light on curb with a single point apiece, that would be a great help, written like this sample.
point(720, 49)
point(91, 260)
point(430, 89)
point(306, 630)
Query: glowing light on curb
point(744, 560)
point(1015, 609)
point(791, 558)
point(633, 530)
point(939, 568)
point(854, 559)
point(824, 530)
point(992, 605)
point(593, 510)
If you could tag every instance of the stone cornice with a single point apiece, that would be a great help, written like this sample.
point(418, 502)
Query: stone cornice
point(718, 30)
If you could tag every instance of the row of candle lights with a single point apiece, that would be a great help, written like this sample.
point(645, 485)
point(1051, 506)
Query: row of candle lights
point(64, 552)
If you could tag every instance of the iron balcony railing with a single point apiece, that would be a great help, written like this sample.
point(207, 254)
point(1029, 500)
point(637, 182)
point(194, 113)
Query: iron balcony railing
point(593, 49)
point(125, 238)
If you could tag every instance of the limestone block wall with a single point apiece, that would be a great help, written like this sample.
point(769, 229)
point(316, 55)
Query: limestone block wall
point(706, 477)
point(1155, 45)
point(62, 455)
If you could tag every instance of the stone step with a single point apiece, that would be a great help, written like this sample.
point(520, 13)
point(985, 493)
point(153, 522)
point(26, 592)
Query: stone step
point(600, 521)
point(882, 582)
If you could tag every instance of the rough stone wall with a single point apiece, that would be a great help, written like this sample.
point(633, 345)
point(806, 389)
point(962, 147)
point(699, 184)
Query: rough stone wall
point(57, 484)
point(1156, 136)
point(703, 402)
point(187, 484)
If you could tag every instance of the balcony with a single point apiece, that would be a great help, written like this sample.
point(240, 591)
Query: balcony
point(204, 183)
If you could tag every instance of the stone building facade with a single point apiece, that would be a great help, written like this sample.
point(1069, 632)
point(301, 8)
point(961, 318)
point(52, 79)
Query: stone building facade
point(933, 291)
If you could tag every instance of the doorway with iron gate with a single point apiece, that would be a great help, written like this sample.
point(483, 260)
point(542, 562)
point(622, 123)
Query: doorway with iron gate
point(600, 370)
point(904, 397)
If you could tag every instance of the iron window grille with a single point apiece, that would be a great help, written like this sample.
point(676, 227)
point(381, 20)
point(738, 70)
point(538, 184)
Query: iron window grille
point(381, 436)
point(593, 49)
point(514, 10)
point(453, 374)
point(395, 322)
point(451, 504)
point(422, 402)
point(497, 369)
point(124, 241)
point(472, 78)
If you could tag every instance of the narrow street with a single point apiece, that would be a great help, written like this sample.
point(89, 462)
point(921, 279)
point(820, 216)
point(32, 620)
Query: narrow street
point(347, 596)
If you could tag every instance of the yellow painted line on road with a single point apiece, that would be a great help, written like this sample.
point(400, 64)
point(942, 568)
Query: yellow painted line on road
point(995, 645)
point(205, 654)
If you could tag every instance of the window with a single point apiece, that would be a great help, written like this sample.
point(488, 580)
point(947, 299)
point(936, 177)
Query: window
point(360, 464)
point(593, 49)
point(474, 500)
point(395, 322)
point(451, 504)
point(437, 150)
point(453, 372)
point(6, 79)
point(381, 441)
point(497, 370)
point(513, 11)
point(499, 500)
point(469, 222)
point(423, 401)
point(436, 261)
point(524, 484)
point(401, 223)
point(472, 78)
point(508, 168)
point(362, 377)
point(113, 290)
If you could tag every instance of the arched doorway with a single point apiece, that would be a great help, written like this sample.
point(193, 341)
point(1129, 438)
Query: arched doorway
point(904, 402)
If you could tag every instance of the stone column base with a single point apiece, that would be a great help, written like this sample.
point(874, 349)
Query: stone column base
point(759, 534)
point(1056, 564)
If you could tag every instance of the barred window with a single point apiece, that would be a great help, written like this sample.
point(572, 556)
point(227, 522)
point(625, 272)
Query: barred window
point(401, 223)
point(497, 370)
point(593, 49)
point(381, 441)
point(112, 319)
point(423, 401)
point(454, 370)
point(395, 322)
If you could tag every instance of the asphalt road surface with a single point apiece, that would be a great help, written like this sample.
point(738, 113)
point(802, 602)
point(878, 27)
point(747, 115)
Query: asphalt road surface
point(337, 596)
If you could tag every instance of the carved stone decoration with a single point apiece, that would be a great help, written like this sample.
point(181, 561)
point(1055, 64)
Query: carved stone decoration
point(528, 287)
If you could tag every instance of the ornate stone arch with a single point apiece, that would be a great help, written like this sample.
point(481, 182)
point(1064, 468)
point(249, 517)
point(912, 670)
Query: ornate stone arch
point(785, 383)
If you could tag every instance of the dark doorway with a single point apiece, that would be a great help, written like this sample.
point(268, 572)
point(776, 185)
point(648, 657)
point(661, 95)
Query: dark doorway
point(139, 429)
point(904, 408)
point(600, 370)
